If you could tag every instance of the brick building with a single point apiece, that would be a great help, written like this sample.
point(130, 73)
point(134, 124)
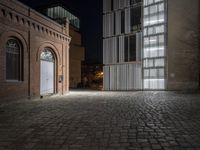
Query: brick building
point(34, 52)
point(58, 11)
point(77, 56)
point(151, 44)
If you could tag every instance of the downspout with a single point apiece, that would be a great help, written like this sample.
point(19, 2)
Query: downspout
point(199, 44)
point(29, 61)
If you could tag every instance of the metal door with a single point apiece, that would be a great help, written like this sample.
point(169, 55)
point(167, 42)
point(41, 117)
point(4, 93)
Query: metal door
point(46, 77)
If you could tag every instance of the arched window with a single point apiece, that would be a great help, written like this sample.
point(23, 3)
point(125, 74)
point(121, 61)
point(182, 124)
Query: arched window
point(47, 55)
point(14, 60)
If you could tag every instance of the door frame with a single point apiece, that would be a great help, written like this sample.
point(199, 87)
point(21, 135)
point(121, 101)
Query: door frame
point(55, 85)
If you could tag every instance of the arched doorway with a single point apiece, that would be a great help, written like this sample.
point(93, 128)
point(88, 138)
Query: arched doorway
point(47, 72)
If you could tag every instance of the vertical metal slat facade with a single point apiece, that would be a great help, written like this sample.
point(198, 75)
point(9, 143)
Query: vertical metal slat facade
point(120, 73)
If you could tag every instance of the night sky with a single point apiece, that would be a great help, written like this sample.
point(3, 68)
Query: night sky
point(90, 14)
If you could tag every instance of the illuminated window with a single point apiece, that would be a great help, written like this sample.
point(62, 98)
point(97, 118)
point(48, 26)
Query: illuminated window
point(47, 55)
point(154, 44)
point(58, 13)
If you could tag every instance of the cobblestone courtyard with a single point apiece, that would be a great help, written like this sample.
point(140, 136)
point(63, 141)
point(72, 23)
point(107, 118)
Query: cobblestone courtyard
point(102, 121)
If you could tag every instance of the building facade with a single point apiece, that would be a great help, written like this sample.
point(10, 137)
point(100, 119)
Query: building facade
point(77, 56)
point(34, 53)
point(148, 45)
point(122, 45)
point(59, 13)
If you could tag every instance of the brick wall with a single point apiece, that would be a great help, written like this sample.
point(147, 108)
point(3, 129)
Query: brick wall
point(35, 32)
point(182, 50)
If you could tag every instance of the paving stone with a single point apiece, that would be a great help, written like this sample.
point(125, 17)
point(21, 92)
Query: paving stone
point(93, 120)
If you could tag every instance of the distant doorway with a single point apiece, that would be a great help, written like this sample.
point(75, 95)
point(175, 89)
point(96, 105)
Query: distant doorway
point(47, 72)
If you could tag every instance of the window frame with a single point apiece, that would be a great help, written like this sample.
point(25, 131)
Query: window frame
point(20, 63)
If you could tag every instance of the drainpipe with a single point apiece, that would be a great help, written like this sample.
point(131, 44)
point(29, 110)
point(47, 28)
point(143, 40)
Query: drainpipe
point(199, 44)
point(29, 61)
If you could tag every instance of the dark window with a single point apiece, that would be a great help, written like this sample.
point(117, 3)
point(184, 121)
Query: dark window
point(14, 60)
point(135, 18)
point(132, 49)
point(122, 21)
point(114, 25)
point(132, 2)
point(111, 5)
point(117, 49)
point(126, 48)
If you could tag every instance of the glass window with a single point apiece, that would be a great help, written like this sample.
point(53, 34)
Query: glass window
point(153, 41)
point(146, 41)
point(161, 18)
point(150, 31)
point(126, 48)
point(146, 11)
point(146, 72)
point(47, 55)
point(153, 73)
point(161, 72)
point(58, 13)
point(153, 20)
point(111, 5)
point(150, 63)
point(13, 60)
point(132, 50)
point(145, 31)
point(150, 2)
point(122, 21)
point(159, 62)
point(135, 18)
point(145, 2)
point(159, 29)
point(146, 21)
point(132, 2)
point(161, 39)
point(158, 1)
point(161, 7)
point(153, 9)
point(154, 44)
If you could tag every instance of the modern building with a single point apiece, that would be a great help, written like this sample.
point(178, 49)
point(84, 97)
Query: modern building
point(59, 13)
point(150, 44)
point(34, 53)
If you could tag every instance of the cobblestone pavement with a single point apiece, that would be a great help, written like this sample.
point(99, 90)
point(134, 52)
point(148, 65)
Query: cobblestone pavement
point(102, 121)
